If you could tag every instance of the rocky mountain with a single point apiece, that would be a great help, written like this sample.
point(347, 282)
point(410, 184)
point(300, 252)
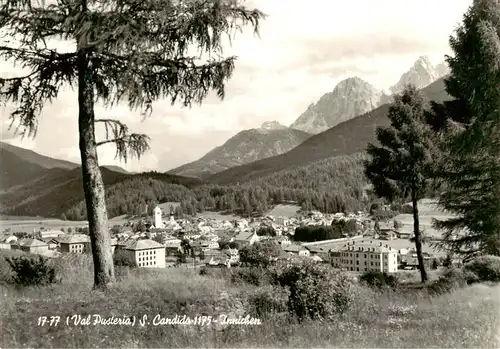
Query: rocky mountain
point(347, 138)
point(353, 97)
point(247, 146)
point(350, 98)
point(422, 74)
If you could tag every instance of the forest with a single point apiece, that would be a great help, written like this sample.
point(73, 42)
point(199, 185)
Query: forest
point(331, 185)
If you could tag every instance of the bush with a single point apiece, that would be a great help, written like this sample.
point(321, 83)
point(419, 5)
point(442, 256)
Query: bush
point(267, 301)
point(252, 276)
point(485, 268)
point(374, 207)
point(407, 209)
point(31, 271)
point(317, 290)
point(379, 279)
point(260, 254)
point(451, 279)
point(122, 259)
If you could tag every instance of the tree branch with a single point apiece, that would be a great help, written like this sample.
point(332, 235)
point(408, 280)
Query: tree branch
point(133, 144)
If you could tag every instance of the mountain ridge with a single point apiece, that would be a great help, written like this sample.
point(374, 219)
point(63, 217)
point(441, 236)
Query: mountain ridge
point(353, 96)
point(349, 137)
point(246, 146)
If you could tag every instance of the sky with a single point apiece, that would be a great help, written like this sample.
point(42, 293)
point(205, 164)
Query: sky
point(304, 49)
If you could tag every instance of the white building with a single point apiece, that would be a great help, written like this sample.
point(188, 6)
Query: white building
point(146, 253)
point(158, 222)
point(367, 256)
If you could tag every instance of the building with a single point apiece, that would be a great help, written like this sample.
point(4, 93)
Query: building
point(4, 244)
point(246, 237)
point(283, 240)
point(77, 243)
point(410, 259)
point(297, 249)
point(31, 246)
point(44, 234)
point(367, 256)
point(315, 250)
point(146, 253)
point(52, 242)
point(158, 222)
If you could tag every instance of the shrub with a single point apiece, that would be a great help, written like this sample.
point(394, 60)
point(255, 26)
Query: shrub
point(267, 301)
point(317, 290)
point(451, 279)
point(374, 207)
point(122, 259)
point(259, 254)
point(31, 271)
point(407, 209)
point(485, 268)
point(252, 275)
point(379, 279)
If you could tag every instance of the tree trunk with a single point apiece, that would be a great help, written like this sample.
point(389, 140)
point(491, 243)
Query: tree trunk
point(93, 185)
point(418, 242)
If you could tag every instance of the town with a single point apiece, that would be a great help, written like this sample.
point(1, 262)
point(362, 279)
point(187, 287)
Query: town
point(162, 240)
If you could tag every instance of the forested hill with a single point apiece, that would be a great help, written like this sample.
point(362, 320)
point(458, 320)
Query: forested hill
point(331, 185)
point(57, 190)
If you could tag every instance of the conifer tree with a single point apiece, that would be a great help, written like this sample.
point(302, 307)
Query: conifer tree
point(399, 168)
point(468, 125)
point(126, 50)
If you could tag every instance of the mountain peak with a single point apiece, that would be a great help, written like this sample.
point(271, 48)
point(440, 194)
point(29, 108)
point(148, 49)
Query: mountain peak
point(272, 125)
point(421, 74)
point(352, 82)
point(351, 97)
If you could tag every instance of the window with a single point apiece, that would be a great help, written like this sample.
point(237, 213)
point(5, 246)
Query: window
point(365, 255)
point(357, 262)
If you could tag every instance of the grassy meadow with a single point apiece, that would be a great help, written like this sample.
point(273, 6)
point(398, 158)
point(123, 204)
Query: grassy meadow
point(464, 318)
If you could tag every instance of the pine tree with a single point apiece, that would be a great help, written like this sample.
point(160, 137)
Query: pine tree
point(132, 50)
point(469, 129)
point(400, 167)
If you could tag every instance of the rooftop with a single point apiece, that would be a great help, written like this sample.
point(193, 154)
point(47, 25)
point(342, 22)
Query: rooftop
point(73, 239)
point(31, 243)
point(144, 245)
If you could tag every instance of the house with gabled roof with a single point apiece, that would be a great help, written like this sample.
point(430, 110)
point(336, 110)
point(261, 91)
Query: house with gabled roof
point(4, 245)
point(11, 239)
point(298, 250)
point(52, 242)
point(75, 243)
point(146, 253)
point(31, 246)
point(246, 237)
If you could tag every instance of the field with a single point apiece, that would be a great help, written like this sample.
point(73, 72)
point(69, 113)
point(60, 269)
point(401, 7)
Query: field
point(27, 225)
point(466, 317)
point(286, 211)
point(217, 216)
point(427, 211)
